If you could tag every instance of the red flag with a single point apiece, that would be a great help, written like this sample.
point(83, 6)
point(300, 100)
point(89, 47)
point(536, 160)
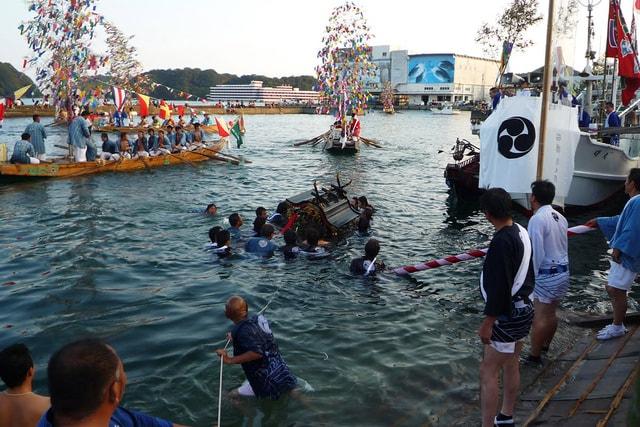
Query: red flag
point(612, 26)
point(628, 66)
point(223, 130)
point(165, 111)
point(181, 110)
point(2, 101)
point(143, 103)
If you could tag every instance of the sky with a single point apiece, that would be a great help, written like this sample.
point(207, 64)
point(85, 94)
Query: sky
point(282, 37)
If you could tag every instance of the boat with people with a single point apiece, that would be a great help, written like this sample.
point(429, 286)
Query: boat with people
point(134, 129)
point(66, 168)
point(446, 110)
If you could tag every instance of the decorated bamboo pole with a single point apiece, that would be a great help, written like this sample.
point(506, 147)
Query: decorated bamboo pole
point(469, 255)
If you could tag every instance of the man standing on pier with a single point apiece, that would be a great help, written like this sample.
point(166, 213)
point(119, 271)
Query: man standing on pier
point(38, 135)
point(623, 233)
point(506, 282)
point(548, 231)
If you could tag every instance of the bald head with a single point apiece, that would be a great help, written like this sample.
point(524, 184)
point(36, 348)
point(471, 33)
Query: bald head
point(236, 308)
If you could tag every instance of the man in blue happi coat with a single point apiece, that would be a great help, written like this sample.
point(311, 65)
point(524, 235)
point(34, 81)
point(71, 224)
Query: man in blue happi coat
point(612, 121)
point(23, 152)
point(255, 348)
point(38, 135)
point(623, 233)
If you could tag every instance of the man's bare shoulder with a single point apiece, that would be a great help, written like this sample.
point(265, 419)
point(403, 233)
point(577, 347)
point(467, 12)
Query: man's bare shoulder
point(22, 410)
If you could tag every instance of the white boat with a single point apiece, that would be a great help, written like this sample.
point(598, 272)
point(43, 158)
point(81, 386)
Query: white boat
point(599, 173)
point(446, 110)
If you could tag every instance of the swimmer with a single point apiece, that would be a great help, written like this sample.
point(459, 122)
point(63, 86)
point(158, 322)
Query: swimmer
point(280, 218)
point(235, 221)
point(364, 223)
point(354, 202)
point(262, 245)
point(255, 348)
point(363, 203)
point(213, 231)
point(223, 244)
point(368, 265)
point(291, 248)
point(261, 219)
point(211, 209)
point(312, 247)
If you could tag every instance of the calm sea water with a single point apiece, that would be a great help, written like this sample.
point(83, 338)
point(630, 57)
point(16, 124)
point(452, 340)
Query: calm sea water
point(120, 256)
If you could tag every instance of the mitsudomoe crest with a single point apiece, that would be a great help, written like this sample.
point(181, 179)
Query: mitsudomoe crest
point(516, 137)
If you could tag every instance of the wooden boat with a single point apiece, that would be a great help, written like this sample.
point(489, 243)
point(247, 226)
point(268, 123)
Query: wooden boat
point(63, 168)
point(335, 144)
point(389, 110)
point(327, 209)
point(135, 129)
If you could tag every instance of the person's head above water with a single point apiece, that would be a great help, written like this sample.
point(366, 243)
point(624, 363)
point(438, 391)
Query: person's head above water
point(235, 220)
point(267, 231)
point(213, 231)
point(16, 365)
point(223, 238)
point(261, 212)
point(363, 202)
point(371, 249)
point(211, 209)
point(236, 309)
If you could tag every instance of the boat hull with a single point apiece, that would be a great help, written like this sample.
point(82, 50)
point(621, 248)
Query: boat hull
point(65, 169)
point(600, 171)
point(334, 146)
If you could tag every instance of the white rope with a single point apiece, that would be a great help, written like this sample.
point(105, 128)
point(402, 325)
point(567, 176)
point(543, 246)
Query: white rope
point(220, 390)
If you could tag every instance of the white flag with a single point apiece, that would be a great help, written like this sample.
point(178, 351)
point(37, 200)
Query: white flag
point(509, 145)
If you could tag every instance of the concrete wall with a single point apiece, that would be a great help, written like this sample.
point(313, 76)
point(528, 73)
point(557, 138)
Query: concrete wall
point(399, 64)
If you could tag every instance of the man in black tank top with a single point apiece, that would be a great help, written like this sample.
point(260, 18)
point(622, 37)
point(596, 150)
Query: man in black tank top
point(506, 282)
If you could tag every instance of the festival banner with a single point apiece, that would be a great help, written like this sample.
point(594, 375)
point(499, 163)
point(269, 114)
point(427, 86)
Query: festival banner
point(612, 37)
point(223, 130)
point(628, 66)
point(20, 92)
point(509, 145)
point(237, 133)
point(119, 96)
point(143, 103)
point(165, 111)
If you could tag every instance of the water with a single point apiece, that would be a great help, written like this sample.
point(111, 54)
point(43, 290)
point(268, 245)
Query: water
point(120, 256)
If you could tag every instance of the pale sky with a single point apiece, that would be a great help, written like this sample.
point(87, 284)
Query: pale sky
point(282, 37)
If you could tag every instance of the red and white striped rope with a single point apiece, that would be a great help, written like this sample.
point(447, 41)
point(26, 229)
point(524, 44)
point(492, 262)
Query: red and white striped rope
point(469, 255)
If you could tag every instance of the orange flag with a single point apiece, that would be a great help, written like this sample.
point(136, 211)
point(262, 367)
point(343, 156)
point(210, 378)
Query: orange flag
point(165, 111)
point(143, 102)
point(223, 130)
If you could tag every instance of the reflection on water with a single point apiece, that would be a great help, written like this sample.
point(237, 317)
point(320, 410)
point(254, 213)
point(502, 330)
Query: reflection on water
point(120, 256)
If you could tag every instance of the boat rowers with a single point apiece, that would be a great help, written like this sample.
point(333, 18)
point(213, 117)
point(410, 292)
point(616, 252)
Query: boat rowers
point(38, 135)
point(23, 151)
point(79, 134)
point(354, 127)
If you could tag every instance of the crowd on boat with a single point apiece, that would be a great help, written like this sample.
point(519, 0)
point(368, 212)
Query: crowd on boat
point(153, 142)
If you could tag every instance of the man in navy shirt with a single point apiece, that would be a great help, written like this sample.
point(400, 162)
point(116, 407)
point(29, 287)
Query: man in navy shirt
point(612, 121)
point(255, 348)
point(506, 282)
point(87, 382)
point(262, 245)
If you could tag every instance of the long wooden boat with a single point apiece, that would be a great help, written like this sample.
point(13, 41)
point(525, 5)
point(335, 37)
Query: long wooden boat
point(334, 145)
point(63, 168)
point(135, 129)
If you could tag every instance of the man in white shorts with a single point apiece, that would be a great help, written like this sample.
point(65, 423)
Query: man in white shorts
point(623, 233)
point(506, 282)
point(548, 232)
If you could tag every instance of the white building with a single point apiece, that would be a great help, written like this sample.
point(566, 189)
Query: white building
point(254, 92)
point(424, 78)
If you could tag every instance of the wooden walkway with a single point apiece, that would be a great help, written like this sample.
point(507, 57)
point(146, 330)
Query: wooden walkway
point(589, 385)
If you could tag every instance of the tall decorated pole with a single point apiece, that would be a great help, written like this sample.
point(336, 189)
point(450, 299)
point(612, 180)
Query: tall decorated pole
point(125, 69)
point(346, 60)
point(60, 35)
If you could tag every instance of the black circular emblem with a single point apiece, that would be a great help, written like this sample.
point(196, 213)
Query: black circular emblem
point(516, 136)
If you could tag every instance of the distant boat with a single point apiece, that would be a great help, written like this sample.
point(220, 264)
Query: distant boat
point(446, 110)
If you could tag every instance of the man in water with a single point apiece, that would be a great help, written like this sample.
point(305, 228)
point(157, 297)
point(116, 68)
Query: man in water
point(78, 136)
point(23, 152)
point(261, 219)
point(506, 282)
point(368, 265)
point(262, 245)
point(235, 221)
point(548, 232)
point(623, 233)
point(87, 382)
point(19, 405)
point(255, 348)
point(38, 135)
point(612, 121)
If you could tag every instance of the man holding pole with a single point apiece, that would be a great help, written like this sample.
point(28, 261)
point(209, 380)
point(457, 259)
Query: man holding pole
point(623, 233)
point(506, 283)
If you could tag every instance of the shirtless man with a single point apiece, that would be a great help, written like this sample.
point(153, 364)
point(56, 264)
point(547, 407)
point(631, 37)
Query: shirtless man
point(19, 405)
